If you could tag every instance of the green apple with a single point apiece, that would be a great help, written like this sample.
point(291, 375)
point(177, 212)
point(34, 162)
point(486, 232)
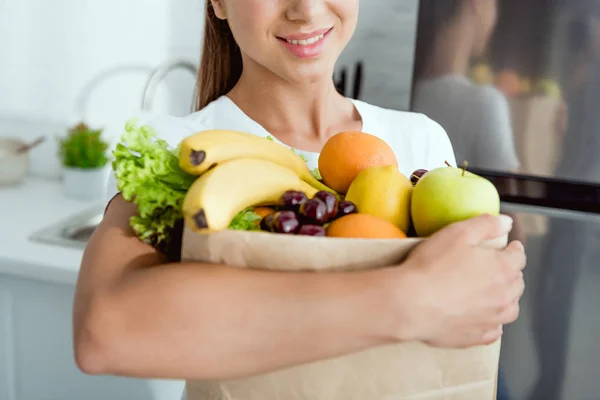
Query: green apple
point(447, 195)
point(550, 88)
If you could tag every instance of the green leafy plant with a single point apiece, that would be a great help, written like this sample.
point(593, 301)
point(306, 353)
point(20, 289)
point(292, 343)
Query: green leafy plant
point(83, 147)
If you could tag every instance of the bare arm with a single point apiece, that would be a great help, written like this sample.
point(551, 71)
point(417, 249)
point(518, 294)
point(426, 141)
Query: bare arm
point(136, 316)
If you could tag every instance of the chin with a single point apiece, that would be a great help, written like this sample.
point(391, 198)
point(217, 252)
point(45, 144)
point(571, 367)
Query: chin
point(299, 73)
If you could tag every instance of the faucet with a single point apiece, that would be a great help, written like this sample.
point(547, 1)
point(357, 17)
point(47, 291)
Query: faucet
point(159, 74)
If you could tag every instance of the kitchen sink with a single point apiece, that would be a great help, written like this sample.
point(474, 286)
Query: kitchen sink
point(73, 232)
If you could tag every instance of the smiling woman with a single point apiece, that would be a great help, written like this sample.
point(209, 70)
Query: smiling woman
point(267, 70)
point(256, 36)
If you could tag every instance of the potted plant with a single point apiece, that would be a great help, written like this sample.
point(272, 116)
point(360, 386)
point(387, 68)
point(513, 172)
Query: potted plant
point(83, 155)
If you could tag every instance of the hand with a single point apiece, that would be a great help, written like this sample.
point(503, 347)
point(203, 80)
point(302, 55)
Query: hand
point(464, 293)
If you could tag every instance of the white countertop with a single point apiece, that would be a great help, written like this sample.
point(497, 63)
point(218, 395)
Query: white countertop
point(24, 209)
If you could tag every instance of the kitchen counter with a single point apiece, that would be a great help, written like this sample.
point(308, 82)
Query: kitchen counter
point(37, 287)
point(24, 209)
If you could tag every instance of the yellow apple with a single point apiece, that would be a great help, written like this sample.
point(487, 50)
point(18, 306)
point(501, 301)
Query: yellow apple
point(383, 192)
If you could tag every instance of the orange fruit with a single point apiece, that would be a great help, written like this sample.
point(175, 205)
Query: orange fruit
point(263, 211)
point(364, 226)
point(347, 154)
point(509, 83)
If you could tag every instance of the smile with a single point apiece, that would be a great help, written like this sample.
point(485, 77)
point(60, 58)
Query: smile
point(306, 46)
point(305, 42)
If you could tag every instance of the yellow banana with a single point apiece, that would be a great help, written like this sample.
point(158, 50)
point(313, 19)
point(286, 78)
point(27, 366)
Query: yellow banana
point(218, 195)
point(203, 150)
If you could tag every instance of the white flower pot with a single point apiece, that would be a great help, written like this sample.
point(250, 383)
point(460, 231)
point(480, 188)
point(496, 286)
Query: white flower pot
point(85, 184)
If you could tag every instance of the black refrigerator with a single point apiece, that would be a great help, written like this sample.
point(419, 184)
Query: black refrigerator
point(516, 84)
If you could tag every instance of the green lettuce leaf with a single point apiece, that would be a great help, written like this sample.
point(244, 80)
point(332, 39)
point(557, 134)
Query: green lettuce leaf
point(148, 174)
point(272, 139)
point(317, 174)
point(247, 220)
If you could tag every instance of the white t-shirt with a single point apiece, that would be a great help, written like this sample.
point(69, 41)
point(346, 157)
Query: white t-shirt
point(477, 119)
point(418, 141)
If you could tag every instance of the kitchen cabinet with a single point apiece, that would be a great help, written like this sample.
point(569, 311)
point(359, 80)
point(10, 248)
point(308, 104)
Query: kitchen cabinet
point(37, 285)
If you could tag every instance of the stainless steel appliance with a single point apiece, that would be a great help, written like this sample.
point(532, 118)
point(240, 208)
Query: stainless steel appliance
point(516, 84)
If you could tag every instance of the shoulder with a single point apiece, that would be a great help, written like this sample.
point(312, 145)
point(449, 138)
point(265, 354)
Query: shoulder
point(490, 112)
point(388, 115)
point(487, 100)
point(169, 128)
point(490, 93)
point(415, 137)
point(389, 123)
point(173, 129)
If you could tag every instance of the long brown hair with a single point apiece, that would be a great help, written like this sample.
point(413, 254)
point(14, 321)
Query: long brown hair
point(221, 63)
point(433, 16)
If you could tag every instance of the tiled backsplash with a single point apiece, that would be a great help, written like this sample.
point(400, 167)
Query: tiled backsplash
point(65, 60)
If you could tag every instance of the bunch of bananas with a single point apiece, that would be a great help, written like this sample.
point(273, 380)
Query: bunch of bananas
point(237, 170)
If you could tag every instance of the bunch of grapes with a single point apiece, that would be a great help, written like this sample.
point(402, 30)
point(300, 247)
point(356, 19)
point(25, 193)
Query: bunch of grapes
point(299, 215)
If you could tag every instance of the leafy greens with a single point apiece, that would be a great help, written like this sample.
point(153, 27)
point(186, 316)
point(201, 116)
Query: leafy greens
point(148, 174)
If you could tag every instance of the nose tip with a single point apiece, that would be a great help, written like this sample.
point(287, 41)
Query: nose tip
point(305, 10)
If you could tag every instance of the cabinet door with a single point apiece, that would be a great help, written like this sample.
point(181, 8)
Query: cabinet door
point(36, 350)
point(7, 364)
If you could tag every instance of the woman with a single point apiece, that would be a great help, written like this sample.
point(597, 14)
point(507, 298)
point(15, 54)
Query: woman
point(267, 67)
point(572, 244)
point(453, 33)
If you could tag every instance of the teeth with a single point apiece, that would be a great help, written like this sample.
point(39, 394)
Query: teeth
point(307, 41)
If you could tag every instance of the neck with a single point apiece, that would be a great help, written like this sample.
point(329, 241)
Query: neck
point(451, 52)
point(294, 112)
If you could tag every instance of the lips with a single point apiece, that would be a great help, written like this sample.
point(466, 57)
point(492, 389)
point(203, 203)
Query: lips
point(304, 42)
point(304, 39)
point(306, 46)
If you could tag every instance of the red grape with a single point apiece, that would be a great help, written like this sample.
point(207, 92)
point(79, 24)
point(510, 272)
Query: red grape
point(312, 230)
point(314, 211)
point(417, 175)
point(285, 222)
point(346, 208)
point(266, 224)
point(292, 200)
point(330, 201)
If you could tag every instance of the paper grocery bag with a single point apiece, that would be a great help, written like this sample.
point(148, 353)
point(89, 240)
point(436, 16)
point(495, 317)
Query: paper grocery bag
point(536, 139)
point(538, 144)
point(397, 372)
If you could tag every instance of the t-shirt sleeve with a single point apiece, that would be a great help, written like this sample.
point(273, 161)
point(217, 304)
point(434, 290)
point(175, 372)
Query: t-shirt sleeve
point(439, 147)
point(111, 189)
point(493, 141)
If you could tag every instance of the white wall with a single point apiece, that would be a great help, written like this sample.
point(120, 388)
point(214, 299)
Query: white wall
point(66, 60)
point(71, 59)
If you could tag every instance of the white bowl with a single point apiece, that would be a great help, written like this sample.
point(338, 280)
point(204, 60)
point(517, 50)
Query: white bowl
point(13, 167)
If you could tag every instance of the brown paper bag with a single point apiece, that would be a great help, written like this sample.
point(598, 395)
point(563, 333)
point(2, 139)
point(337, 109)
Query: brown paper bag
point(537, 141)
point(538, 145)
point(398, 372)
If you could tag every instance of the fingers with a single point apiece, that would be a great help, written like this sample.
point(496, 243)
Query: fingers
point(510, 315)
point(492, 336)
point(509, 311)
point(515, 256)
point(482, 228)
